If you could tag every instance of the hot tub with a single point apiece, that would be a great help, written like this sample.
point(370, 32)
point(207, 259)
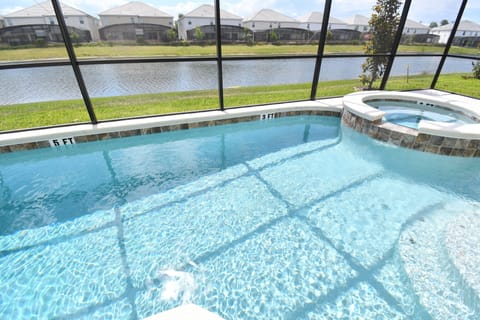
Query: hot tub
point(409, 113)
point(443, 123)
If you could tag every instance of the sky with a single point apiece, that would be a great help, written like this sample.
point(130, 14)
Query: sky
point(420, 11)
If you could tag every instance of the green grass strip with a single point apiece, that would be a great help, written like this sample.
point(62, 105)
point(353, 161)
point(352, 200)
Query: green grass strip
point(105, 51)
point(31, 115)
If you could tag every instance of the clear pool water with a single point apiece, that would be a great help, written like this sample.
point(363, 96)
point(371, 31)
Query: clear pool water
point(409, 114)
point(290, 218)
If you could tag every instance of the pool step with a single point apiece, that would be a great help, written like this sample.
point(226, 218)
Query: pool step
point(461, 243)
point(431, 273)
point(186, 312)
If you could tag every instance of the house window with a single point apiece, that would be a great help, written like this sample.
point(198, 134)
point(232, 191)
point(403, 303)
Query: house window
point(253, 25)
point(132, 19)
point(365, 28)
point(189, 22)
point(308, 25)
point(82, 21)
point(279, 25)
point(464, 33)
point(52, 21)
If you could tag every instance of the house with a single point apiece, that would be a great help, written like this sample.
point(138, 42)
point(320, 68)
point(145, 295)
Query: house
point(468, 33)
point(358, 23)
point(135, 21)
point(270, 25)
point(203, 19)
point(39, 23)
point(2, 22)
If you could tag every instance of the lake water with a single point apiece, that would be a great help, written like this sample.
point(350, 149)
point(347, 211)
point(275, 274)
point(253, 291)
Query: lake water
point(58, 83)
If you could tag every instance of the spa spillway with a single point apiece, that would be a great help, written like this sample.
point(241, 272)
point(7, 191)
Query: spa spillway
point(444, 124)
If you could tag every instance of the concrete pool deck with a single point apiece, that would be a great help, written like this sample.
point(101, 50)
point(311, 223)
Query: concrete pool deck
point(435, 137)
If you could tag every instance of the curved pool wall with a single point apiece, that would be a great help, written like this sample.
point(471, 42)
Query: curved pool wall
point(453, 139)
point(79, 133)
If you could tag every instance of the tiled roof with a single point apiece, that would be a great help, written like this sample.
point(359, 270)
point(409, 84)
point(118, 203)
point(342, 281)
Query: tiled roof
point(415, 25)
point(208, 11)
point(45, 9)
point(465, 25)
point(270, 16)
point(317, 17)
point(135, 8)
point(358, 20)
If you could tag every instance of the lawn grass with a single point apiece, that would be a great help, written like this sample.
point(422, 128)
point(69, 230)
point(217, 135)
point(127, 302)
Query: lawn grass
point(105, 51)
point(30, 115)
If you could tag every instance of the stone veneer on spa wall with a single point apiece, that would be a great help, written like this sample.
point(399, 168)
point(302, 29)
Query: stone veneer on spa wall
point(440, 138)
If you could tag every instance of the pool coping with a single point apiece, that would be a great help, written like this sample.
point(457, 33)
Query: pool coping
point(441, 138)
point(42, 138)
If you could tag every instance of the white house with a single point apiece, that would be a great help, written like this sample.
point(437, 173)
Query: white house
point(358, 23)
point(2, 22)
point(313, 22)
point(135, 20)
point(465, 29)
point(204, 18)
point(267, 19)
point(413, 27)
point(43, 14)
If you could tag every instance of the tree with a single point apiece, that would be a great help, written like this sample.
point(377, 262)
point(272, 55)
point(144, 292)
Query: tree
point(273, 36)
point(75, 37)
point(433, 25)
point(383, 25)
point(329, 35)
point(199, 35)
point(444, 22)
point(172, 34)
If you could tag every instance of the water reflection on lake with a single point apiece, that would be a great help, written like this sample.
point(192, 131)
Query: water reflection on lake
point(58, 83)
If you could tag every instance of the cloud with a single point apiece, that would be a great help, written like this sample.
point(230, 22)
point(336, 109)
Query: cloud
point(246, 8)
point(181, 7)
point(7, 10)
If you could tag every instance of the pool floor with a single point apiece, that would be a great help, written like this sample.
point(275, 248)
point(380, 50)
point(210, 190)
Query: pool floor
point(337, 227)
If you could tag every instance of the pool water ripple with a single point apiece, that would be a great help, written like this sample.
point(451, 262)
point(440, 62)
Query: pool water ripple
point(249, 221)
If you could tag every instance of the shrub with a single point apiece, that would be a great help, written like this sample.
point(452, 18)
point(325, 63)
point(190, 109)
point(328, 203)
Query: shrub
point(476, 70)
point(40, 43)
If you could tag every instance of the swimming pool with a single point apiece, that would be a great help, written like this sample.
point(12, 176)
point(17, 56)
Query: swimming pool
point(409, 114)
point(289, 218)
